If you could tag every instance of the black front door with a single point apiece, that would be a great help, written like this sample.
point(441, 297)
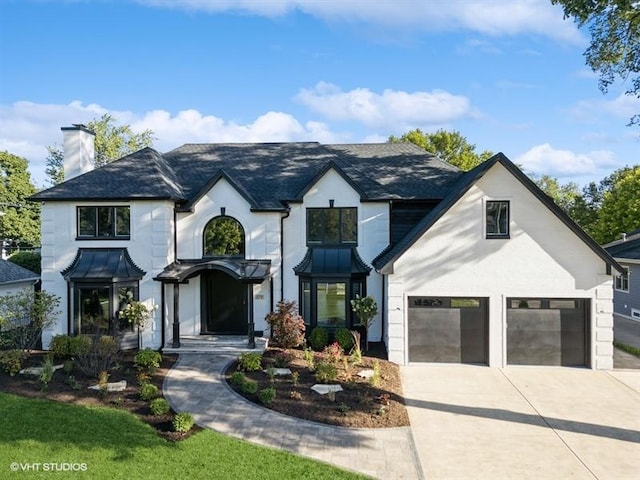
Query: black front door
point(223, 304)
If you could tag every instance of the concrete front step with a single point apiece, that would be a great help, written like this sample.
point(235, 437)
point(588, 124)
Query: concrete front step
point(220, 345)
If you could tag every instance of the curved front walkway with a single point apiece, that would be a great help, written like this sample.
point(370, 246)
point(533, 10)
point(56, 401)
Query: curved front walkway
point(196, 385)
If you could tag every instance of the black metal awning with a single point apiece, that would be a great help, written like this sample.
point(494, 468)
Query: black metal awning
point(246, 271)
point(112, 264)
point(332, 261)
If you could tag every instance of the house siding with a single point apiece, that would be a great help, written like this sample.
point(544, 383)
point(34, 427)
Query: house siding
point(623, 302)
point(542, 258)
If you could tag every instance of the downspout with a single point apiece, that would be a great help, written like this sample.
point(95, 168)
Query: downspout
point(282, 218)
point(163, 314)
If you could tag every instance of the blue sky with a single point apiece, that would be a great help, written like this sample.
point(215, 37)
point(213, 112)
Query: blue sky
point(508, 74)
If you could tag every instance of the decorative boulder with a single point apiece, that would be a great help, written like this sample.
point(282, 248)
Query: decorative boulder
point(324, 389)
point(112, 387)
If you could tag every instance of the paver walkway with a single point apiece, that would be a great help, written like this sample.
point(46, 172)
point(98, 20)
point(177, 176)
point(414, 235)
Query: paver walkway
point(195, 384)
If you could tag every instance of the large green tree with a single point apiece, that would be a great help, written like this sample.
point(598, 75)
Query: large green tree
point(112, 141)
point(564, 195)
point(19, 219)
point(614, 52)
point(620, 210)
point(450, 146)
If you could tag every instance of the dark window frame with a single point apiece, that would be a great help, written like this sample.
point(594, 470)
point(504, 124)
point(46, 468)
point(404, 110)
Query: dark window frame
point(115, 326)
point(340, 229)
point(113, 227)
point(498, 234)
point(354, 284)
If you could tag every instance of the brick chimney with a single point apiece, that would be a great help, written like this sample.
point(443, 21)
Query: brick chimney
point(79, 150)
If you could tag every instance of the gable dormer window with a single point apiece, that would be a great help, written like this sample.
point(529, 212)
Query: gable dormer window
point(104, 223)
point(332, 226)
point(497, 219)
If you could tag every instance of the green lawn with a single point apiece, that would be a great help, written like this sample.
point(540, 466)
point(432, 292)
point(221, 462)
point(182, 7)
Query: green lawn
point(116, 445)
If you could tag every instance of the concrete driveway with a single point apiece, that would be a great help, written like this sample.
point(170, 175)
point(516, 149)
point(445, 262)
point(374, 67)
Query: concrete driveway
point(524, 422)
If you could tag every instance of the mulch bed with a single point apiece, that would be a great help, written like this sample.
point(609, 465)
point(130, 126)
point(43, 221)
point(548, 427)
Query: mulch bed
point(74, 389)
point(359, 405)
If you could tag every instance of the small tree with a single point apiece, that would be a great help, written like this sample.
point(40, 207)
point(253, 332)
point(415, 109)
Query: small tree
point(24, 315)
point(365, 309)
point(137, 314)
point(287, 327)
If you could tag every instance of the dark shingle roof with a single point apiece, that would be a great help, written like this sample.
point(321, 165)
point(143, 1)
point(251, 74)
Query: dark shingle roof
point(628, 249)
point(267, 174)
point(12, 273)
point(141, 175)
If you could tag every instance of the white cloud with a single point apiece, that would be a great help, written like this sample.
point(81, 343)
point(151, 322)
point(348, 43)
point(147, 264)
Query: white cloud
point(28, 128)
point(390, 109)
point(498, 17)
point(593, 111)
point(546, 160)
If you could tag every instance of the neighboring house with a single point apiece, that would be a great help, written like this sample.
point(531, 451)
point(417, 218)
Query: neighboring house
point(14, 278)
point(626, 285)
point(476, 267)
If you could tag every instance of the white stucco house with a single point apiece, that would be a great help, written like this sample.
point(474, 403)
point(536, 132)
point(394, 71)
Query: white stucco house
point(473, 267)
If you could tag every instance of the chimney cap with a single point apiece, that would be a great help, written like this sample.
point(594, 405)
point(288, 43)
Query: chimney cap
point(78, 126)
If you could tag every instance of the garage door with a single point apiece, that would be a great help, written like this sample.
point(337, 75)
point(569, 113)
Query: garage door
point(448, 329)
point(547, 331)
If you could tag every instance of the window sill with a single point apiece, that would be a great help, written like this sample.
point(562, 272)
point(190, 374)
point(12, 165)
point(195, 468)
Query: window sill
point(102, 238)
point(497, 237)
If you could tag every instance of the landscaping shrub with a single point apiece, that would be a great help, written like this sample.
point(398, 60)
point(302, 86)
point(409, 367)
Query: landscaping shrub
point(332, 353)
point(344, 337)
point(309, 358)
point(159, 406)
point(67, 367)
point(148, 360)
point(98, 354)
point(237, 379)
point(11, 360)
point(281, 359)
point(60, 346)
point(250, 361)
point(326, 372)
point(148, 391)
point(267, 395)
point(143, 378)
point(47, 373)
point(183, 422)
point(287, 326)
point(249, 387)
point(318, 338)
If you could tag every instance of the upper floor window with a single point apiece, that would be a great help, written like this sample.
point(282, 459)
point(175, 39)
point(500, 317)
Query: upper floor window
point(622, 282)
point(332, 226)
point(497, 219)
point(104, 222)
point(223, 236)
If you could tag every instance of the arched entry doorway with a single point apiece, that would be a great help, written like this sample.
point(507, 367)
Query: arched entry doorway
point(224, 304)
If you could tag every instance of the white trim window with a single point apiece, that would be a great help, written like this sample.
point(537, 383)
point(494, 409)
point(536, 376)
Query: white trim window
point(635, 313)
point(621, 282)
